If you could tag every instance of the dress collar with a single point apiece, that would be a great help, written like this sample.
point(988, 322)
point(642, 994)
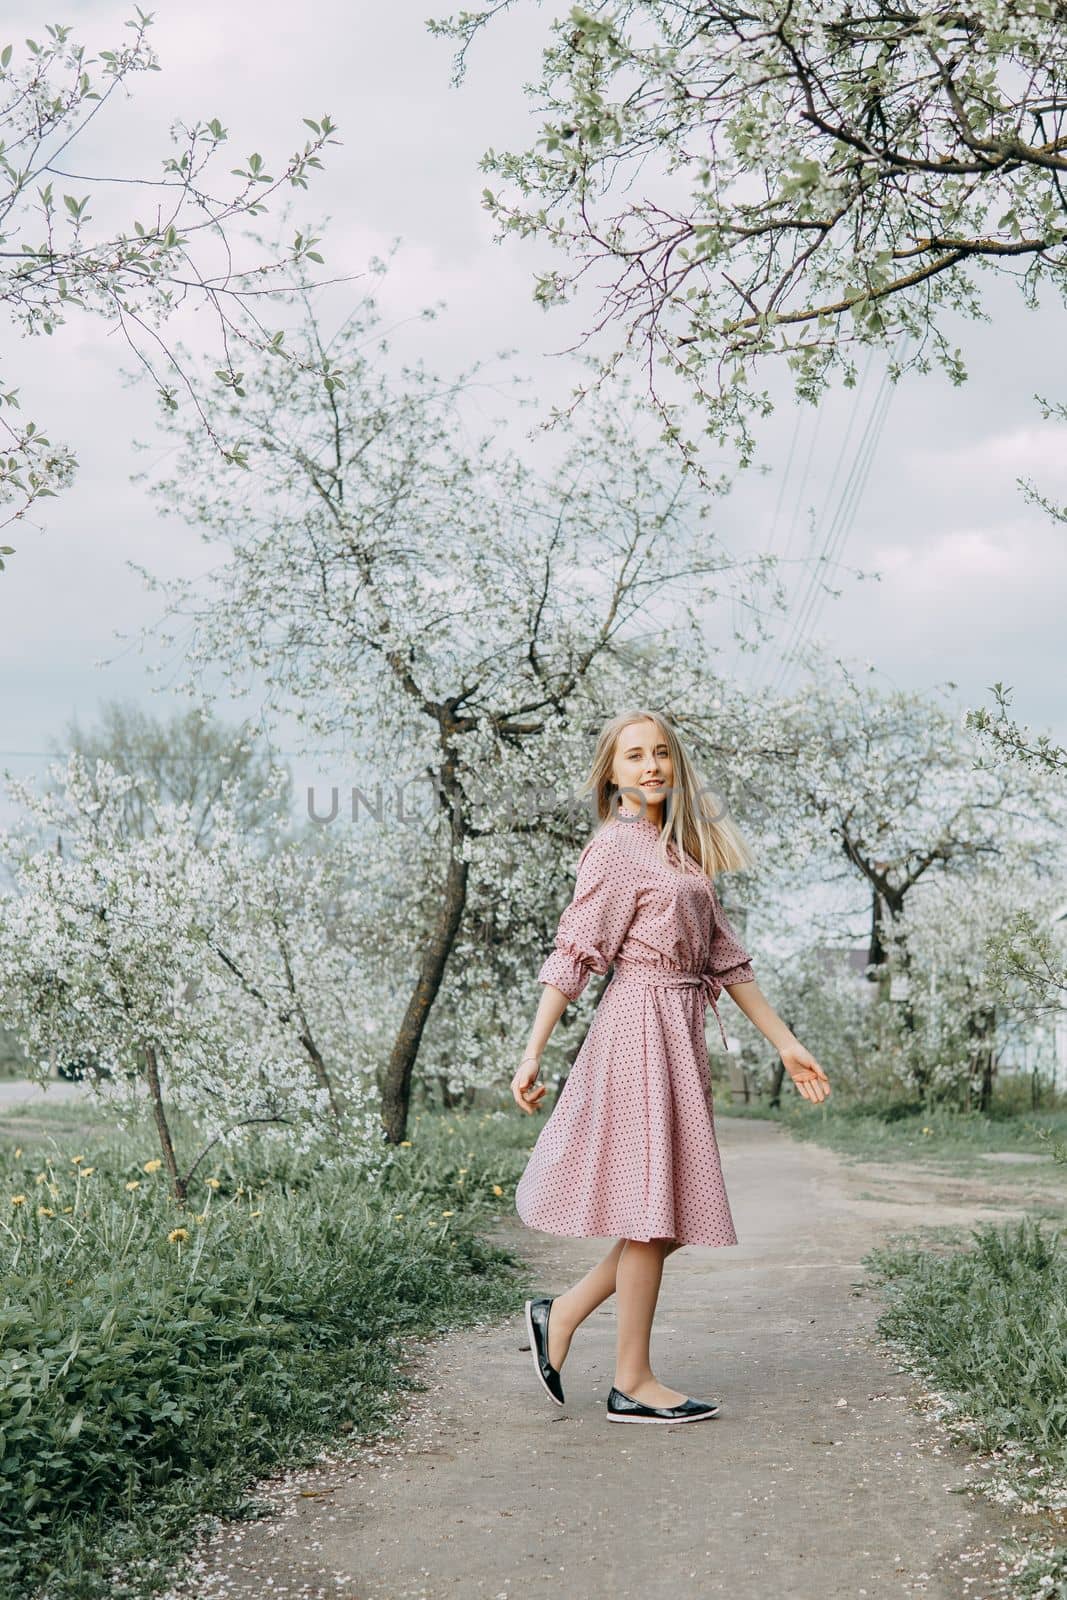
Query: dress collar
point(639, 819)
point(638, 816)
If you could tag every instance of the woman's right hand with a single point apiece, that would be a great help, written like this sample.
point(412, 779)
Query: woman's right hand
point(528, 1094)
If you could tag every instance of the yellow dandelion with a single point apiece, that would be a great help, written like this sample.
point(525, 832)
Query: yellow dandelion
point(45, 1211)
point(462, 1170)
point(153, 1165)
point(134, 1183)
point(431, 1223)
point(18, 1151)
point(448, 1213)
point(497, 1189)
point(176, 1235)
point(255, 1213)
point(83, 1172)
point(42, 1177)
point(201, 1216)
point(77, 1159)
point(53, 1188)
point(18, 1199)
point(399, 1215)
point(405, 1144)
point(213, 1183)
point(928, 1130)
point(67, 1210)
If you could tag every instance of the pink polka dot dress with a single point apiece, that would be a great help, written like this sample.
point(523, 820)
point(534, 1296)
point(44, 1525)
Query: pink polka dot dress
point(629, 1150)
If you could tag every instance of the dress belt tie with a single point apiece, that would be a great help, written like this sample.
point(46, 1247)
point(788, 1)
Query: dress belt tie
point(656, 978)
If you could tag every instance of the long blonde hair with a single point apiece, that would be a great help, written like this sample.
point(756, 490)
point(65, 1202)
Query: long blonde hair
point(694, 819)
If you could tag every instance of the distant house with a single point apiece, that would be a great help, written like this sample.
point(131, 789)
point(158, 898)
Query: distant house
point(1059, 1026)
point(853, 959)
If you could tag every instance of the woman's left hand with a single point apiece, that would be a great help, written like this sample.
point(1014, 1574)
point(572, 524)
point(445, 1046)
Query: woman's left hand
point(806, 1073)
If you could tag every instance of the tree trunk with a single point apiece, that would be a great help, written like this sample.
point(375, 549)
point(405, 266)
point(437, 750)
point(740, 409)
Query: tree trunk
point(776, 1086)
point(318, 1065)
point(983, 1055)
point(451, 1098)
point(162, 1126)
point(985, 1099)
point(396, 1084)
point(322, 1076)
point(876, 945)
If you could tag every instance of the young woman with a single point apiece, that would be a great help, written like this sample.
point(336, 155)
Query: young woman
point(630, 1147)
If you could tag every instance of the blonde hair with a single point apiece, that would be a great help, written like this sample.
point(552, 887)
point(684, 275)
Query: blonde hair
point(694, 819)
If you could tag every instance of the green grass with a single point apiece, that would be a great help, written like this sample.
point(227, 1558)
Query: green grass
point(904, 1131)
point(986, 1326)
point(146, 1381)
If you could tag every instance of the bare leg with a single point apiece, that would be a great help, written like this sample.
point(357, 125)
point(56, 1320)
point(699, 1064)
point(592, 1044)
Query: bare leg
point(638, 1278)
point(571, 1308)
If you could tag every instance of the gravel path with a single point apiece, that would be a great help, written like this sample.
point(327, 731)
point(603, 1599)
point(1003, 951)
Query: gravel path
point(57, 1091)
point(821, 1479)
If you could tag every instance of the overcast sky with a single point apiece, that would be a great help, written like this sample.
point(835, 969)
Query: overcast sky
point(972, 579)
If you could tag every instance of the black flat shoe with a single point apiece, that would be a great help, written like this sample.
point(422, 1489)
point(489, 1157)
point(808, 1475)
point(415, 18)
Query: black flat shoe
point(623, 1408)
point(537, 1312)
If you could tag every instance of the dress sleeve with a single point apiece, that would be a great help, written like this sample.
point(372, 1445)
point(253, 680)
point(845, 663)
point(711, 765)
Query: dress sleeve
point(728, 960)
point(593, 926)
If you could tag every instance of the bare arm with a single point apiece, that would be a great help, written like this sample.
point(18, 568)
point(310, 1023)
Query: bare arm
point(810, 1079)
point(550, 1008)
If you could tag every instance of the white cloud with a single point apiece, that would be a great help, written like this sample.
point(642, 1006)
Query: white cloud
point(969, 562)
point(997, 459)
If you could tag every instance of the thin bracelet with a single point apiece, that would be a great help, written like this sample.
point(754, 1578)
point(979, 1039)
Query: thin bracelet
point(529, 1058)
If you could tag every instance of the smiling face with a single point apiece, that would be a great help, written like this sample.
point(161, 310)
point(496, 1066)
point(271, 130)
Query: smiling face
point(642, 770)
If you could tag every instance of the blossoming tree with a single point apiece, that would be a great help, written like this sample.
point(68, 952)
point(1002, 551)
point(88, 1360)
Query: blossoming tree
point(889, 776)
point(183, 248)
point(962, 1003)
point(192, 977)
point(795, 181)
point(449, 618)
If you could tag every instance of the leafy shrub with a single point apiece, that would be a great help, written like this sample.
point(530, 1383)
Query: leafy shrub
point(988, 1325)
point(156, 1359)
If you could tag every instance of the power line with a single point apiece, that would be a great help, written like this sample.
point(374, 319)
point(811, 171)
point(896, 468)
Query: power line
point(858, 489)
point(799, 500)
point(840, 524)
point(811, 580)
point(834, 525)
point(785, 479)
point(771, 532)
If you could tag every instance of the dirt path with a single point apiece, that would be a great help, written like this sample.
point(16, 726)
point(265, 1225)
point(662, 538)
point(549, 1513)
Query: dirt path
point(57, 1091)
point(818, 1480)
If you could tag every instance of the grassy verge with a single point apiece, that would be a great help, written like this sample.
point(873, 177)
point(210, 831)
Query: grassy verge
point(155, 1361)
point(986, 1327)
point(905, 1130)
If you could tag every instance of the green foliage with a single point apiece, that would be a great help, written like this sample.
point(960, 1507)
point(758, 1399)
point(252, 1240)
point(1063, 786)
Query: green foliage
point(840, 1018)
point(993, 1324)
point(987, 1326)
point(158, 1358)
point(13, 1061)
point(904, 1129)
point(1005, 739)
point(790, 181)
point(52, 260)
